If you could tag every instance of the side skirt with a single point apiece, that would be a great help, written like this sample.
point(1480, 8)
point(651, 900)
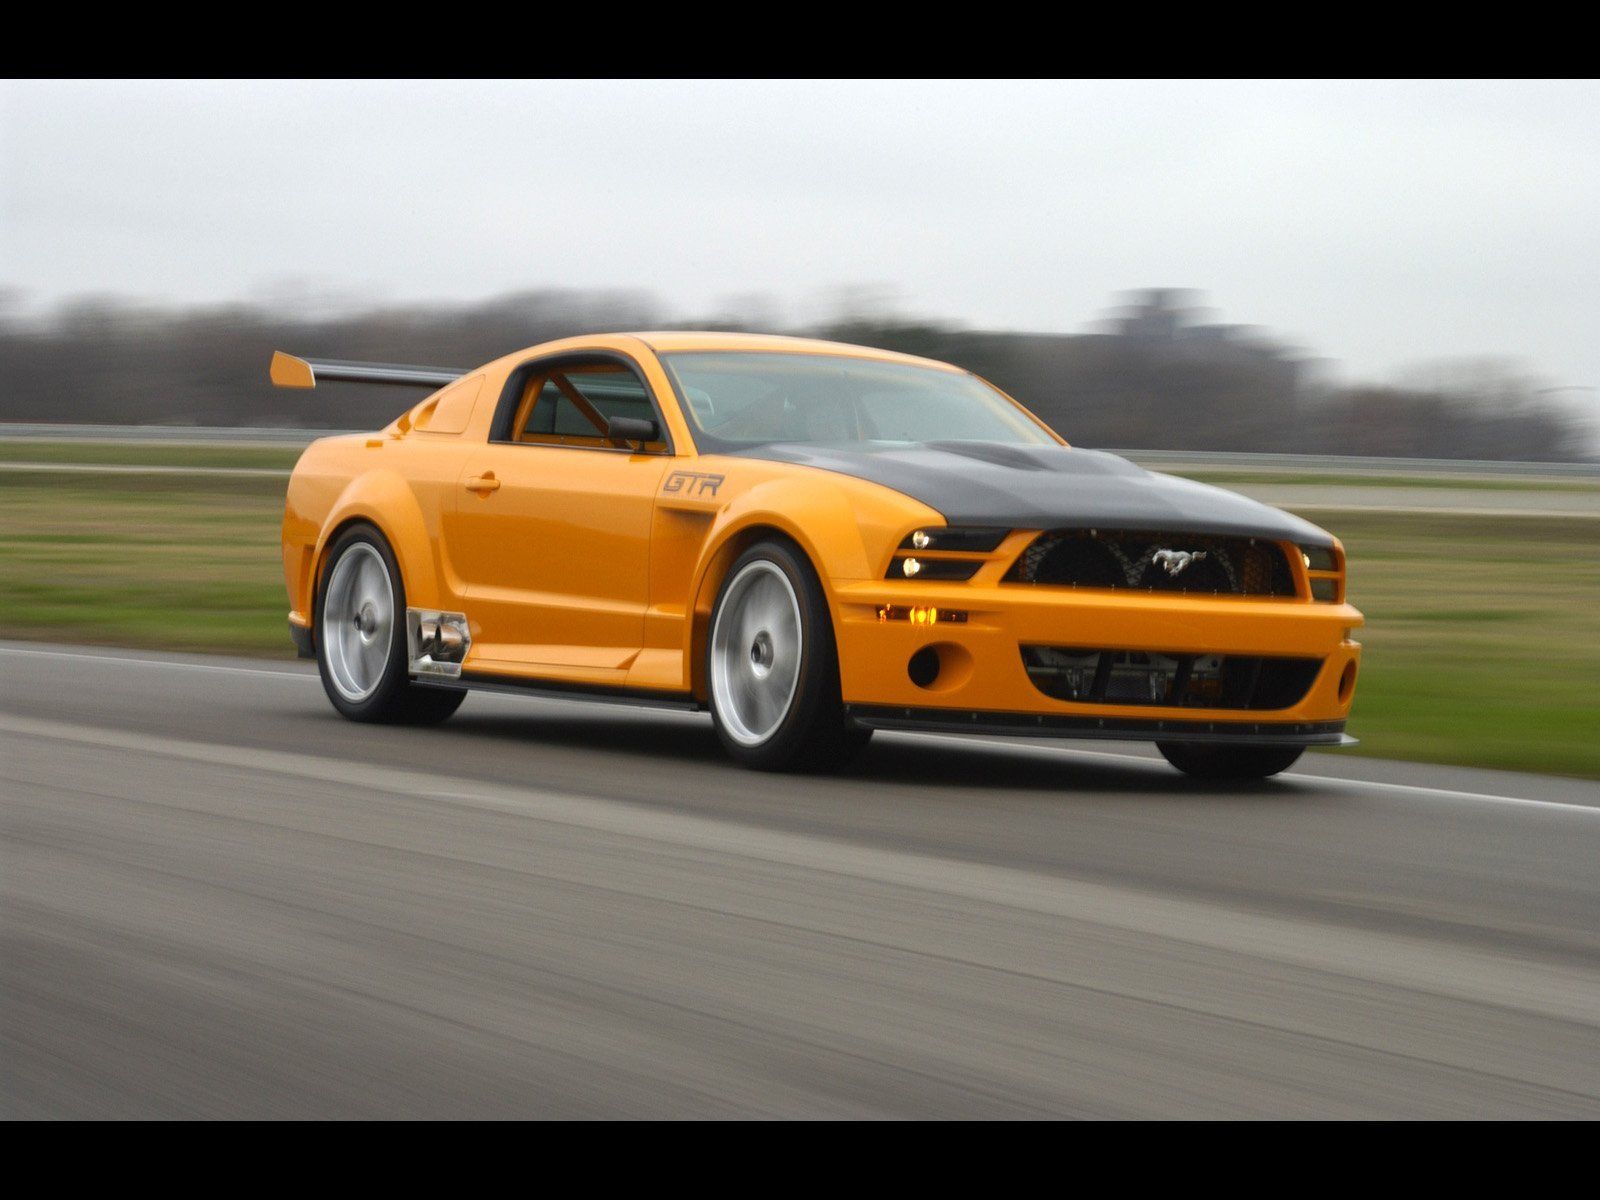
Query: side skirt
point(474, 681)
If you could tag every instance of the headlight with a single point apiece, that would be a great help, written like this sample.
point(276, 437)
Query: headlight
point(941, 570)
point(1318, 558)
point(978, 539)
point(972, 542)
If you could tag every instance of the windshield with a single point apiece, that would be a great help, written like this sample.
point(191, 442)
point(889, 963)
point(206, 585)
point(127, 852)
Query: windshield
point(739, 399)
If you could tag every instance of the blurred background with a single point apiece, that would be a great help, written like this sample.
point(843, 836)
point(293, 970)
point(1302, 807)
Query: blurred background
point(1287, 288)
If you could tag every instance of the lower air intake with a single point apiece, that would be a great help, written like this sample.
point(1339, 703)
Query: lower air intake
point(1091, 676)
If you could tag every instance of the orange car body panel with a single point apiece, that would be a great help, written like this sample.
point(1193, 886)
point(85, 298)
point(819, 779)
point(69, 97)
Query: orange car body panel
point(600, 565)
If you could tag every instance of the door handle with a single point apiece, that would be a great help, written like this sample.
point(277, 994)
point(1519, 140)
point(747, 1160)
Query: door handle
point(483, 483)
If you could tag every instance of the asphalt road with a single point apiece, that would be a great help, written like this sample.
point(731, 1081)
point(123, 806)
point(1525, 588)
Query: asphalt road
point(221, 900)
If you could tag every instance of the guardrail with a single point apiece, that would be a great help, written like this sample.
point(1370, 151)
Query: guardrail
point(1362, 464)
point(181, 435)
point(171, 435)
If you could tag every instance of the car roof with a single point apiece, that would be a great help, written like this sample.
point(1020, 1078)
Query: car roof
point(674, 341)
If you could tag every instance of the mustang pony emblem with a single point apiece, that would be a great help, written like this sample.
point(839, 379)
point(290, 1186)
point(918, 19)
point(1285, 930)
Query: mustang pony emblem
point(1175, 562)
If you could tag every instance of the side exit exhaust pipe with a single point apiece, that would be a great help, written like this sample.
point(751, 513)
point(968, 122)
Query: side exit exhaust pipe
point(437, 642)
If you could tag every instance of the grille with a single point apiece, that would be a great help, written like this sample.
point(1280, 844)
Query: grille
point(1095, 676)
point(1154, 562)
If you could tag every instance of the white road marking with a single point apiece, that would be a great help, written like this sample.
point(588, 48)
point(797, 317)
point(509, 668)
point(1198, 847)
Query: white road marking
point(1023, 745)
point(1449, 793)
point(172, 664)
point(1291, 776)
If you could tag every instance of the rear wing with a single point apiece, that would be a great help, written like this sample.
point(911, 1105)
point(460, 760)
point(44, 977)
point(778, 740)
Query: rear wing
point(287, 371)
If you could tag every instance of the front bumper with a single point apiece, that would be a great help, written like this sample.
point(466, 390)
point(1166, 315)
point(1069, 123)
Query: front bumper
point(984, 686)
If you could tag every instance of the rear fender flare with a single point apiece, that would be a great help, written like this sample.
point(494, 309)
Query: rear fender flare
point(384, 500)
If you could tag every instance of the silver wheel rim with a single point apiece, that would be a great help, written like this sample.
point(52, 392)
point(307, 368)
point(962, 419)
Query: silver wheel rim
point(357, 621)
point(755, 653)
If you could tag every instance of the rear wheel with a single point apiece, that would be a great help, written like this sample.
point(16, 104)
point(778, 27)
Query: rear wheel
point(772, 666)
point(1208, 761)
point(361, 638)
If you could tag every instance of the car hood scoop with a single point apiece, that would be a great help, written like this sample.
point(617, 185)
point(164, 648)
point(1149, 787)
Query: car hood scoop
point(1045, 487)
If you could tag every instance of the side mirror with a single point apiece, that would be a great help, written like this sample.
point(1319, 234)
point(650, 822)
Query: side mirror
point(632, 429)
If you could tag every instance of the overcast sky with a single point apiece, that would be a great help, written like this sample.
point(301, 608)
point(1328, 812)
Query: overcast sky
point(1377, 224)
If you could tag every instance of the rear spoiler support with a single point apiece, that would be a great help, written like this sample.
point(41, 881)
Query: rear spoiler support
point(287, 371)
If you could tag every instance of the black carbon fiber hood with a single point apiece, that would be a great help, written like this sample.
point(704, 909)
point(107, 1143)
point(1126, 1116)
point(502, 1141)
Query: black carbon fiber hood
point(1046, 487)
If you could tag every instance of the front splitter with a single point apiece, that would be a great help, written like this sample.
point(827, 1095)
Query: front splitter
point(1249, 733)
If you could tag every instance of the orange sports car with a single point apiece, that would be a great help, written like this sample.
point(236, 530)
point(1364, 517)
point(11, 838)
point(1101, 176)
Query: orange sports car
point(811, 541)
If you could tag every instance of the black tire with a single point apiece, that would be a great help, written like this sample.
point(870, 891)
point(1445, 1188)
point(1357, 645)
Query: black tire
point(394, 699)
point(813, 734)
point(1210, 761)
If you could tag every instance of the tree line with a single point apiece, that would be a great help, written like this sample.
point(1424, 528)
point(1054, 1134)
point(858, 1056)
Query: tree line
point(1154, 377)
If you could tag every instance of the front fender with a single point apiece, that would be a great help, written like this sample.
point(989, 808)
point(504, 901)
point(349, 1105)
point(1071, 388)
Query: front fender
point(847, 529)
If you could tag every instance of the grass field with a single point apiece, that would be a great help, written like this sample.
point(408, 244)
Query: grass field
point(1482, 643)
point(1482, 647)
point(181, 562)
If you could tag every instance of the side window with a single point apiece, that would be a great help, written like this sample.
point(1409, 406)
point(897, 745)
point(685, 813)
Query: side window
point(570, 406)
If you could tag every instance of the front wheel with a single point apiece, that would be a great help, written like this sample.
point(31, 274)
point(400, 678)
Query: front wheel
point(361, 637)
point(772, 666)
point(1208, 761)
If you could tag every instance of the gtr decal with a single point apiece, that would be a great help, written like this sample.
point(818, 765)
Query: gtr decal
point(691, 484)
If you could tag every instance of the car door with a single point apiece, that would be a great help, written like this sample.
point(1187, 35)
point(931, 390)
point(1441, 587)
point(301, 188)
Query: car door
point(551, 529)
